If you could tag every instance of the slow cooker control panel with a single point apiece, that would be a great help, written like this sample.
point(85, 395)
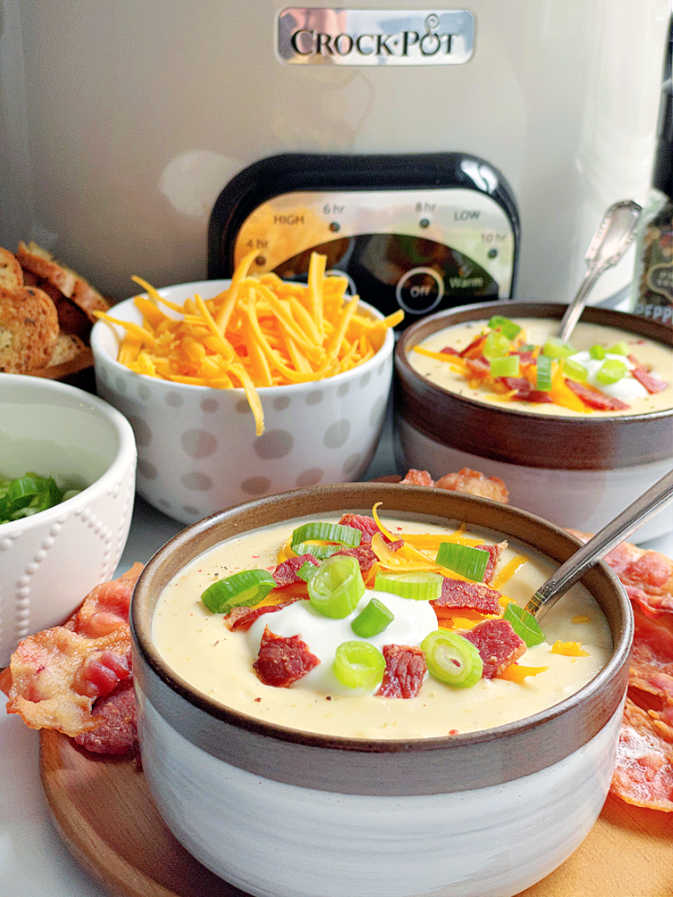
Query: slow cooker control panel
point(412, 248)
point(421, 248)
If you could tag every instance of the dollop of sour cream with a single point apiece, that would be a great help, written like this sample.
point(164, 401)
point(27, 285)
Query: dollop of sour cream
point(627, 389)
point(413, 620)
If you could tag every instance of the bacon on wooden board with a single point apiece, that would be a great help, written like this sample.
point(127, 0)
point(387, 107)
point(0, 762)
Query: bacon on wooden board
point(404, 672)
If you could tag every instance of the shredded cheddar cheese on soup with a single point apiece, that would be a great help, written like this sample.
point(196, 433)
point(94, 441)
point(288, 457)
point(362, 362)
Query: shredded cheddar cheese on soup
point(261, 331)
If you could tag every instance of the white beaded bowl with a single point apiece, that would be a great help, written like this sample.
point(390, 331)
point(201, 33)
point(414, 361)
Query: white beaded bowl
point(48, 562)
point(197, 449)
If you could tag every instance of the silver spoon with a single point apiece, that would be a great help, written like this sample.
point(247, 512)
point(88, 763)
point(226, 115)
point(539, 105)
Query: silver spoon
point(597, 547)
point(608, 245)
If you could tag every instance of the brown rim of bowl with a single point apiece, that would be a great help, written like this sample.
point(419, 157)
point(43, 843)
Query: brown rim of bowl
point(522, 437)
point(361, 766)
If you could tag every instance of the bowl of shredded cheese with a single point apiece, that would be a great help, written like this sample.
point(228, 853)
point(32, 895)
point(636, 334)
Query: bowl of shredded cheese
point(241, 388)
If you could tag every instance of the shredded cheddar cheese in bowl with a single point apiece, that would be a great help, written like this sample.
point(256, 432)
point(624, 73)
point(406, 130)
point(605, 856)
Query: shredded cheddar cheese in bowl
point(261, 331)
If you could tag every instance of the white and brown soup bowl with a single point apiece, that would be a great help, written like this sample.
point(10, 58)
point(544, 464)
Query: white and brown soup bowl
point(579, 471)
point(281, 812)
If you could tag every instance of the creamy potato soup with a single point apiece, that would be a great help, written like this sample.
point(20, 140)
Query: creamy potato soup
point(498, 679)
point(603, 371)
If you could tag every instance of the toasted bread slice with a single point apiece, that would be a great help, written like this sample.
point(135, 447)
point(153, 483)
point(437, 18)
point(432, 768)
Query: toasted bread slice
point(68, 356)
point(11, 273)
point(28, 329)
point(37, 260)
point(88, 298)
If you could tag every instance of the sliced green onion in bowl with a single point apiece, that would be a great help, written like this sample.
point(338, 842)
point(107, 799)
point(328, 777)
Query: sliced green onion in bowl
point(505, 325)
point(238, 590)
point(598, 352)
point(575, 370)
point(27, 495)
point(496, 345)
point(619, 348)
point(526, 347)
point(321, 531)
point(543, 373)
point(358, 664)
point(319, 550)
point(464, 559)
point(507, 366)
point(556, 348)
point(337, 586)
point(373, 619)
point(524, 624)
point(610, 371)
point(422, 585)
point(452, 659)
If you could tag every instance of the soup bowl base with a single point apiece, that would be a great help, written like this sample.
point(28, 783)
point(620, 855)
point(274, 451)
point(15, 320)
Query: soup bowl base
point(271, 839)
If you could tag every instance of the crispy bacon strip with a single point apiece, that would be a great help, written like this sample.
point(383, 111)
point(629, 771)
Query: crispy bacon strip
point(404, 672)
point(646, 378)
point(594, 398)
point(115, 731)
point(475, 483)
point(644, 773)
point(415, 477)
point(57, 674)
point(242, 618)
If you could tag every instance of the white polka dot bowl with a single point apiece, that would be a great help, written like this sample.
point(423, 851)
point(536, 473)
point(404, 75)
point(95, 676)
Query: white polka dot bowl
point(197, 449)
point(49, 561)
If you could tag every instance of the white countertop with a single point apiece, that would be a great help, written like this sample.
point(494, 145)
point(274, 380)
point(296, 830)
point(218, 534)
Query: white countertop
point(33, 860)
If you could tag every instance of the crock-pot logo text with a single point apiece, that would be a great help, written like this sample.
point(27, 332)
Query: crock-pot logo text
point(374, 37)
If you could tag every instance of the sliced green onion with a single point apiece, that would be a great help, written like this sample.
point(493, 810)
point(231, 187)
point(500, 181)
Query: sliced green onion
point(610, 371)
point(336, 588)
point(358, 664)
point(239, 590)
point(556, 348)
point(452, 659)
point(506, 326)
point(305, 536)
point(307, 570)
point(422, 586)
point(543, 373)
point(575, 370)
point(598, 352)
point(27, 495)
point(526, 347)
point(373, 619)
point(505, 367)
point(524, 624)
point(619, 348)
point(496, 345)
point(464, 559)
point(322, 531)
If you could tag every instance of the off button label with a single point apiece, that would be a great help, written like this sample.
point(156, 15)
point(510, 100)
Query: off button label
point(419, 290)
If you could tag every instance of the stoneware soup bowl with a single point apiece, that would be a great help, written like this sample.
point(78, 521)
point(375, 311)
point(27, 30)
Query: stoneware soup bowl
point(49, 561)
point(579, 472)
point(197, 449)
point(278, 811)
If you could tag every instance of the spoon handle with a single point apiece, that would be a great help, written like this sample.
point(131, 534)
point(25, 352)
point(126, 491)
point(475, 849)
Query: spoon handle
point(597, 547)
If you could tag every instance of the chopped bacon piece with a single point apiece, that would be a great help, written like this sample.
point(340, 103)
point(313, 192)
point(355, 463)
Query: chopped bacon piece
point(494, 556)
point(404, 672)
point(282, 661)
point(457, 593)
point(417, 478)
point(364, 556)
point(366, 525)
point(475, 483)
point(498, 645)
point(116, 730)
point(479, 367)
point(647, 576)
point(242, 618)
point(286, 573)
point(644, 772)
point(525, 357)
point(594, 398)
point(474, 348)
point(650, 381)
point(524, 391)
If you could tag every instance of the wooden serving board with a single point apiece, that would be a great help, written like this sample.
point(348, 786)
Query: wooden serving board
point(104, 813)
